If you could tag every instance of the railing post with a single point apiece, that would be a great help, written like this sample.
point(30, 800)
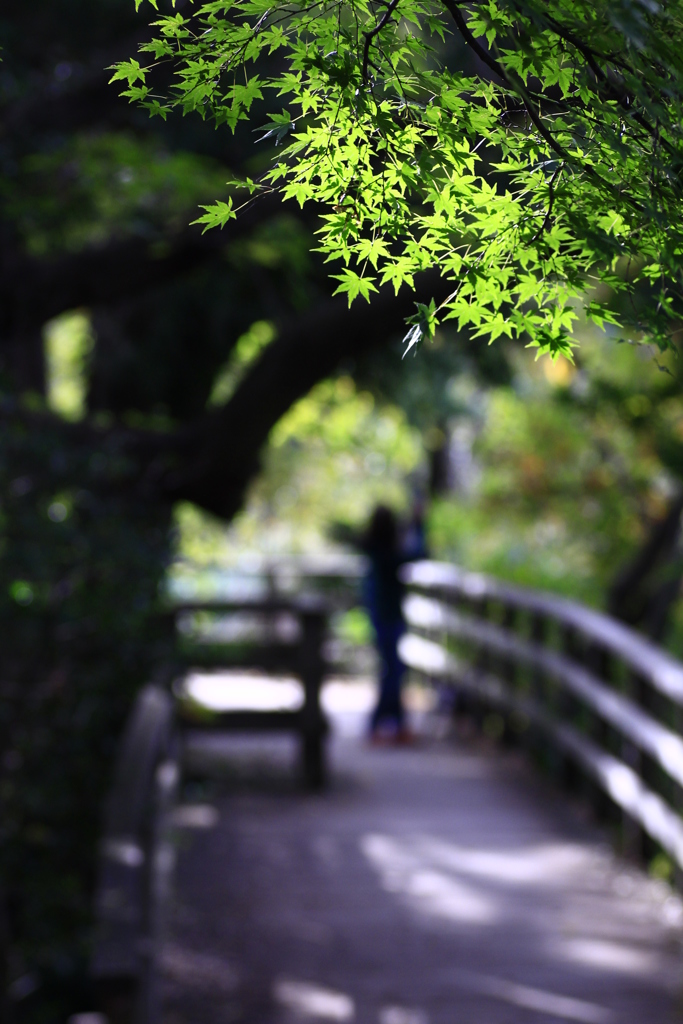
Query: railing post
point(678, 719)
point(536, 740)
point(571, 648)
point(312, 665)
point(538, 631)
point(600, 662)
point(632, 837)
point(639, 690)
point(567, 705)
point(481, 609)
point(507, 665)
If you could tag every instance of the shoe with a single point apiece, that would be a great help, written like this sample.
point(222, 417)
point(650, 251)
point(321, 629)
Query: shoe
point(404, 738)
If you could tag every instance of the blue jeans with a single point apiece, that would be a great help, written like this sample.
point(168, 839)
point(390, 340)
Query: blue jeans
point(389, 706)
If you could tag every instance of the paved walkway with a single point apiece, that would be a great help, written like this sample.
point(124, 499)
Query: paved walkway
point(438, 885)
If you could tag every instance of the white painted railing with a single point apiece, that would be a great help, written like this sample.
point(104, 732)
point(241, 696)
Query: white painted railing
point(582, 690)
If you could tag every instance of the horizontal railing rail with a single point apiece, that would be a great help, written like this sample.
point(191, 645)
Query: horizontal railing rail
point(136, 854)
point(650, 665)
point(583, 690)
point(300, 651)
point(334, 576)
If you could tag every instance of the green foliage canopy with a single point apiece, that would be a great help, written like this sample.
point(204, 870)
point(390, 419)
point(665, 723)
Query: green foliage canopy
point(531, 149)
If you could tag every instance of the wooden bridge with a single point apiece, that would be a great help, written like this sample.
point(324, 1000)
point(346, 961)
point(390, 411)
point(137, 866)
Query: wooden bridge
point(492, 873)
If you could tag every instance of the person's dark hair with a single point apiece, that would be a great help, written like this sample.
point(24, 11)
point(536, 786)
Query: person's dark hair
point(382, 532)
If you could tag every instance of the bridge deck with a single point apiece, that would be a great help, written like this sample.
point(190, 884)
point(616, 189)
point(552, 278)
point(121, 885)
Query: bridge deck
point(437, 885)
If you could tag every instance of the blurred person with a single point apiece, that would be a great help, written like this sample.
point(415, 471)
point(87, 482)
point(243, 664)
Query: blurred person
point(383, 591)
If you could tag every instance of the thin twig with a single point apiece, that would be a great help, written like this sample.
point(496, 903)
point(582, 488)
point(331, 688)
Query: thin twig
point(551, 198)
point(369, 36)
point(516, 85)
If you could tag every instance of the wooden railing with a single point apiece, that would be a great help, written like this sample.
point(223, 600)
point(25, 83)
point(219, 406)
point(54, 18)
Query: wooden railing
point(135, 863)
point(279, 635)
point(136, 855)
point(600, 705)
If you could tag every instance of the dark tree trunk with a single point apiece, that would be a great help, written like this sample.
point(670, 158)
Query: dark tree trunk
point(645, 591)
point(439, 482)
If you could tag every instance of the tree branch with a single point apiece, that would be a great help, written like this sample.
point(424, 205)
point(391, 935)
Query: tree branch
point(33, 291)
point(213, 460)
point(224, 450)
point(551, 199)
point(369, 36)
point(512, 82)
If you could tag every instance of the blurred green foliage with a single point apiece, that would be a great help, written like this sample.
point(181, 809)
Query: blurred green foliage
point(247, 349)
point(68, 346)
point(575, 464)
point(572, 464)
point(333, 456)
point(82, 558)
point(355, 628)
point(103, 185)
